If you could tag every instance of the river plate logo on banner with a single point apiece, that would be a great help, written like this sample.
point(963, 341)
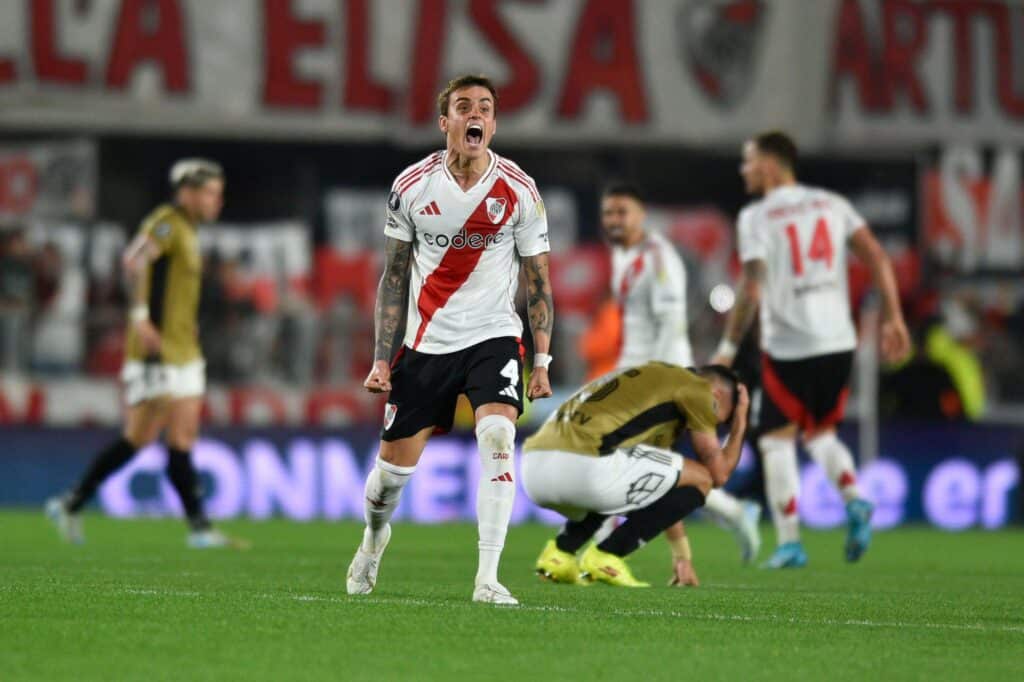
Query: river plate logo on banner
point(719, 42)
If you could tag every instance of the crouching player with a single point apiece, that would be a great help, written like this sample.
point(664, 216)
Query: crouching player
point(605, 452)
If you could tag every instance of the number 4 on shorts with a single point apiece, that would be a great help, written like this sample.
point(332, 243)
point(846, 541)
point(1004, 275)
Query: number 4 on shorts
point(511, 372)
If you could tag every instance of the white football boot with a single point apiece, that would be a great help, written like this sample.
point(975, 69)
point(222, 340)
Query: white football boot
point(494, 593)
point(748, 532)
point(207, 539)
point(69, 525)
point(362, 572)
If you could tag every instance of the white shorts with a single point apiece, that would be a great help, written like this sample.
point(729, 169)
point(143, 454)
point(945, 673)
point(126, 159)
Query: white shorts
point(144, 381)
point(627, 479)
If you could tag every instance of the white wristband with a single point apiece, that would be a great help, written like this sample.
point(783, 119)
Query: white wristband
point(138, 313)
point(542, 360)
point(726, 349)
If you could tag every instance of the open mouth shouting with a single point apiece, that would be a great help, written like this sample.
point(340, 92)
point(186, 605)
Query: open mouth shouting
point(475, 136)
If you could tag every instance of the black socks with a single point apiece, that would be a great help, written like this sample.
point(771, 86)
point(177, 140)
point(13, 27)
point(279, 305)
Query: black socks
point(185, 480)
point(109, 460)
point(179, 469)
point(576, 533)
point(643, 525)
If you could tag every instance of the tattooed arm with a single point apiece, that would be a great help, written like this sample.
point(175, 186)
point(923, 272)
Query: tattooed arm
point(539, 303)
point(748, 298)
point(136, 261)
point(541, 308)
point(392, 298)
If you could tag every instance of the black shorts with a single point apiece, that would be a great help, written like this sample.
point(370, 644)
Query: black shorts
point(809, 392)
point(425, 388)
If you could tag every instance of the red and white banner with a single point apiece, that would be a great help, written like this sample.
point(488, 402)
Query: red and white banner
point(973, 210)
point(696, 72)
point(905, 72)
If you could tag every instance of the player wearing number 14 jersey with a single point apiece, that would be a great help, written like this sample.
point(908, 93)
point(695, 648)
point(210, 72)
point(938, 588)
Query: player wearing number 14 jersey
point(794, 244)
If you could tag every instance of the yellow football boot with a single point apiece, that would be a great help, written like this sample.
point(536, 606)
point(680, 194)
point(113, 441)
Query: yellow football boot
point(607, 568)
point(557, 566)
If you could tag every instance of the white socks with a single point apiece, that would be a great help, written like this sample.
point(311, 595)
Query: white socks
point(725, 508)
point(383, 490)
point(496, 441)
point(782, 477)
point(496, 437)
point(782, 483)
point(835, 458)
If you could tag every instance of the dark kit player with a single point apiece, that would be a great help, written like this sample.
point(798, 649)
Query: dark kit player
point(164, 374)
point(606, 451)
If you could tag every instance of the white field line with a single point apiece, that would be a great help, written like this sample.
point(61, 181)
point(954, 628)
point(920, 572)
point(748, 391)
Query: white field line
point(641, 613)
point(143, 592)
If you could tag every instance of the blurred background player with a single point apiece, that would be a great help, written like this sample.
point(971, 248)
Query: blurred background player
point(164, 371)
point(606, 451)
point(648, 280)
point(793, 245)
point(649, 283)
point(459, 225)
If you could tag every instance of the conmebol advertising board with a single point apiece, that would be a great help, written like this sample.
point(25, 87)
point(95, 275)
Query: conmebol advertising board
point(951, 477)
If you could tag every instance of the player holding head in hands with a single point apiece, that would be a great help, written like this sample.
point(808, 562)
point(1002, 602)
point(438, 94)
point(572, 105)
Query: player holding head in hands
point(164, 372)
point(460, 226)
point(649, 283)
point(606, 451)
point(793, 243)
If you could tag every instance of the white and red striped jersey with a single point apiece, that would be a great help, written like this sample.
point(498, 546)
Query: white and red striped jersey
point(801, 234)
point(466, 250)
point(649, 282)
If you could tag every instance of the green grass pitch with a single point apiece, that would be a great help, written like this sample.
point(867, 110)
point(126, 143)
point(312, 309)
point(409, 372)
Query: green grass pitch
point(134, 604)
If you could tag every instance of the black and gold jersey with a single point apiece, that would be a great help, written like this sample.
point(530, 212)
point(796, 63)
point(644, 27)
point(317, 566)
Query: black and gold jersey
point(171, 284)
point(650, 404)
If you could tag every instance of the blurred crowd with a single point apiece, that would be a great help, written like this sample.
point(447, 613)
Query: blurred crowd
point(969, 356)
point(59, 318)
point(40, 324)
point(62, 317)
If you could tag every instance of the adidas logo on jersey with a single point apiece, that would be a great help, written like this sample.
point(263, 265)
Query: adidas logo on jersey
point(510, 392)
point(430, 209)
point(504, 478)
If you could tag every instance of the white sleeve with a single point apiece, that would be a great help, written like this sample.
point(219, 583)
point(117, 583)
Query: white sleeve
point(850, 219)
point(531, 230)
point(668, 289)
point(398, 222)
point(668, 303)
point(749, 243)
